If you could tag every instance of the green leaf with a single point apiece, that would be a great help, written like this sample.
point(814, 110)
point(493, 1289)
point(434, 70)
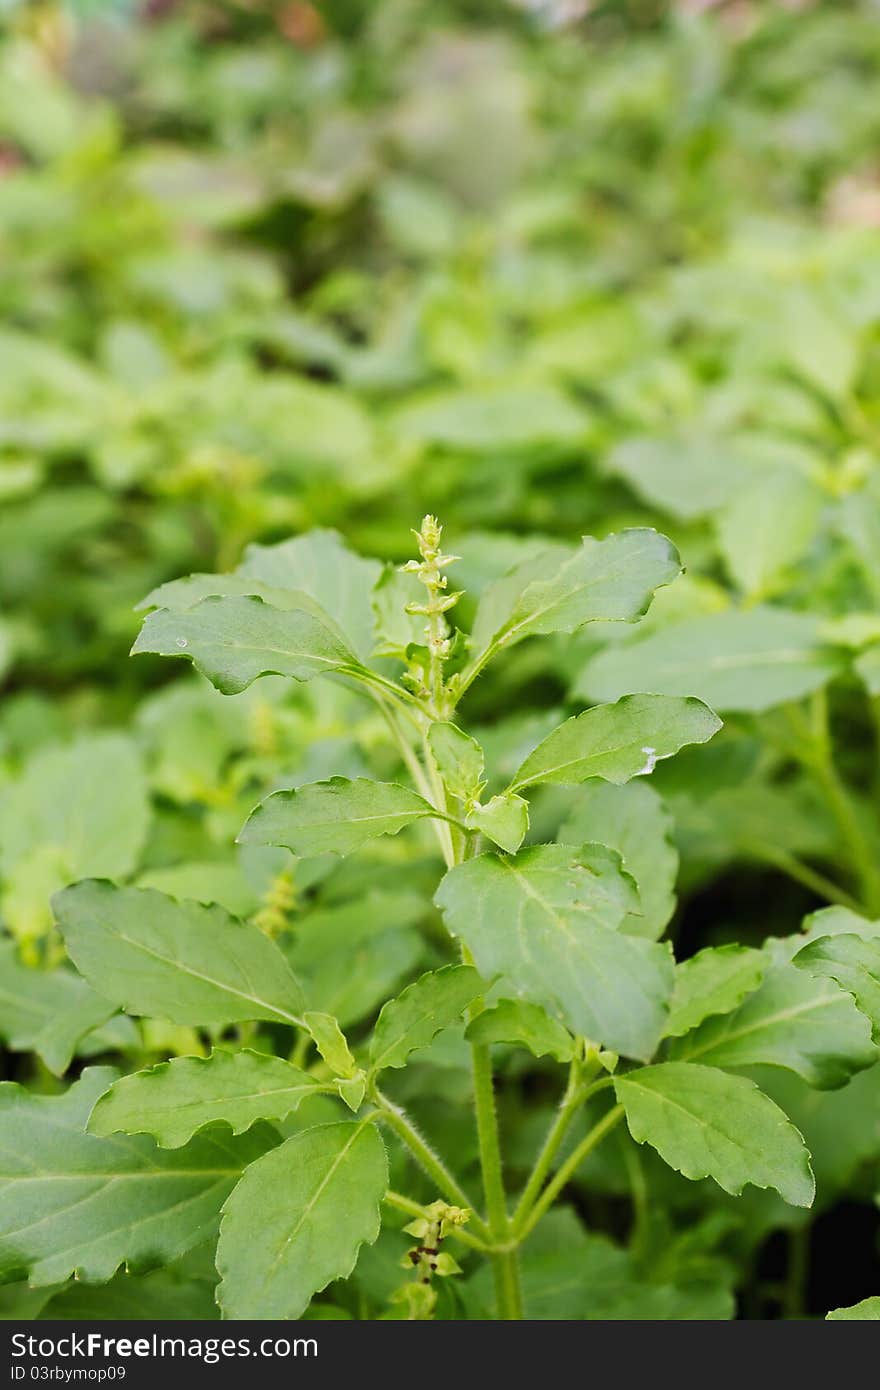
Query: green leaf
point(174, 1100)
point(686, 473)
point(635, 821)
point(47, 1011)
point(617, 742)
point(597, 1282)
point(162, 1296)
point(233, 640)
point(830, 921)
point(514, 1021)
point(767, 527)
point(707, 1124)
point(321, 565)
point(806, 1025)
point(76, 812)
point(851, 962)
point(866, 1311)
point(352, 957)
point(298, 1218)
point(395, 629)
point(867, 664)
point(352, 1089)
point(746, 660)
point(546, 920)
point(330, 1041)
point(71, 1203)
point(180, 595)
point(714, 981)
point(335, 817)
point(459, 760)
point(495, 418)
point(102, 775)
point(181, 961)
point(425, 1007)
point(504, 820)
point(612, 580)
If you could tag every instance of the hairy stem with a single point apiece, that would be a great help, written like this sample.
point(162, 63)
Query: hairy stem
point(505, 1265)
point(505, 1262)
point(428, 1160)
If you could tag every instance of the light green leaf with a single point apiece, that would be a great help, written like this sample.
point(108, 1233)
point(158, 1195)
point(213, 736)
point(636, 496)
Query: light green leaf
point(394, 628)
point(181, 961)
point(546, 920)
point(829, 921)
point(617, 742)
point(352, 957)
point(163, 1295)
point(514, 1021)
point(459, 760)
point(613, 579)
point(504, 820)
point(330, 1041)
point(47, 1011)
point(806, 1025)
point(707, 1124)
point(174, 1100)
point(352, 1089)
point(634, 820)
point(714, 981)
point(321, 565)
point(71, 1203)
point(333, 817)
point(298, 1218)
point(746, 660)
point(868, 667)
point(866, 1311)
point(686, 474)
point(180, 595)
point(851, 962)
point(75, 812)
point(233, 640)
point(495, 418)
point(425, 1007)
point(766, 527)
point(597, 1282)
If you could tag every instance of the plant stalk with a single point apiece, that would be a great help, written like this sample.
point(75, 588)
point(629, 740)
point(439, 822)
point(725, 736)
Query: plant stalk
point(428, 1160)
point(566, 1171)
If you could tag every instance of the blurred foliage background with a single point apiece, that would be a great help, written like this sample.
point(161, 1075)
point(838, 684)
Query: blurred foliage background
point(537, 266)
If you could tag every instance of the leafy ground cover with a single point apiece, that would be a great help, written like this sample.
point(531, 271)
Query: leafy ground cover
point(481, 922)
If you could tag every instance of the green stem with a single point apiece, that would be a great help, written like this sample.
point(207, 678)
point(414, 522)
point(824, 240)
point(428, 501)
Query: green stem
point(300, 1050)
point(422, 783)
point(431, 1163)
point(504, 1263)
point(844, 812)
point(576, 1095)
point(639, 1193)
point(816, 753)
point(795, 1287)
point(374, 682)
point(568, 1108)
point(396, 1199)
point(438, 799)
point(566, 1171)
